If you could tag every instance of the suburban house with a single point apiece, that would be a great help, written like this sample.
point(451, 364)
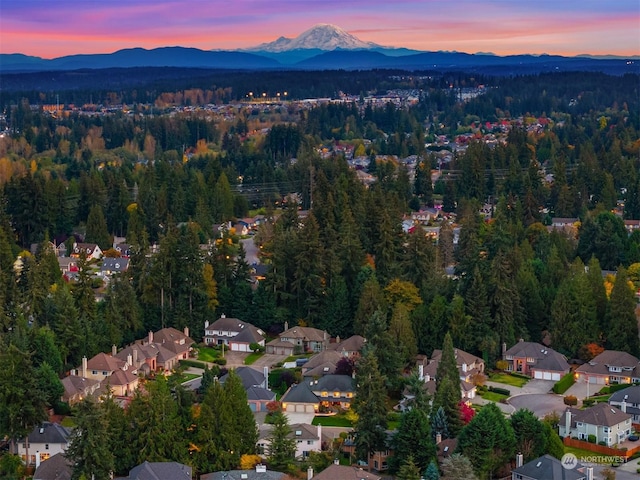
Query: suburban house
point(334, 391)
point(602, 422)
point(77, 388)
point(334, 471)
point(44, 441)
point(160, 470)
point(234, 333)
point(349, 347)
point(308, 439)
point(323, 363)
point(611, 366)
point(58, 467)
point(299, 340)
point(256, 384)
point(68, 265)
point(259, 473)
point(535, 360)
point(177, 343)
point(300, 399)
point(628, 400)
point(117, 374)
point(469, 368)
point(547, 467)
point(91, 250)
point(377, 459)
point(123, 249)
point(111, 266)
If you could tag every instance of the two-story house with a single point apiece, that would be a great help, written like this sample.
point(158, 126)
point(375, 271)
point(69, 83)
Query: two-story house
point(535, 360)
point(349, 347)
point(611, 366)
point(628, 400)
point(308, 439)
point(603, 422)
point(334, 391)
point(176, 346)
point(299, 340)
point(234, 333)
point(323, 363)
point(77, 388)
point(92, 251)
point(111, 372)
point(44, 441)
point(256, 384)
point(469, 367)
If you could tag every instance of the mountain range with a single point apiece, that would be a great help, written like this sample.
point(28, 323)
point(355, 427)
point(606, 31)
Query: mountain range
point(322, 47)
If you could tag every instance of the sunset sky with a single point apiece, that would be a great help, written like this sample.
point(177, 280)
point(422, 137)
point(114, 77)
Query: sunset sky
point(53, 28)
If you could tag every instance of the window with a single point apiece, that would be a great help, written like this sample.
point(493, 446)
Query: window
point(615, 369)
point(44, 456)
point(336, 394)
point(606, 430)
point(46, 447)
point(579, 424)
point(94, 372)
point(325, 394)
point(309, 442)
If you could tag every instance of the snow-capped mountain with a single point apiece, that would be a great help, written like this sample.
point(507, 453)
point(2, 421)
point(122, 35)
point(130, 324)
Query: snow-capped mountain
point(319, 37)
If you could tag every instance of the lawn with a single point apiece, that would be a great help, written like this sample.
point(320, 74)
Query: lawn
point(508, 379)
point(252, 357)
point(185, 377)
point(493, 396)
point(208, 354)
point(68, 422)
point(331, 421)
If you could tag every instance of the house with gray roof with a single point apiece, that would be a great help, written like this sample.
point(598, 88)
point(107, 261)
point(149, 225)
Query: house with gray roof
point(300, 399)
point(606, 423)
point(308, 438)
point(349, 347)
point(111, 266)
point(334, 390)
point(628, 401)
point(611, 366)
point(256, 384)
point(535, 360)
point(547, 467)
point(323, 363)
point(234, 333)
point(44, 441)
point(57, 467)
point(160, 471)
point(260, 472)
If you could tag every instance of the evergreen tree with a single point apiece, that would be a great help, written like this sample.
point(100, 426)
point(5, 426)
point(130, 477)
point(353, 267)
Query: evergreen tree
point(97, 231)
point(439, 423)
point(447, 397)
point(412, 441)
point(622, 321)
point(448, 365)
point(488, 441)
point(409, 470)
point(369, 405)
point(530, 434)
point(432, 472)
point(458, 467)
point(282, 447)
point(89, 450)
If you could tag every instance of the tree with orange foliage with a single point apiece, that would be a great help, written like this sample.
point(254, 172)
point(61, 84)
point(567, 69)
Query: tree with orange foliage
point(590, 350)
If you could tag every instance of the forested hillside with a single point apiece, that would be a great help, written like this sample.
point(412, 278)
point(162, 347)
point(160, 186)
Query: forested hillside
point(165, 177)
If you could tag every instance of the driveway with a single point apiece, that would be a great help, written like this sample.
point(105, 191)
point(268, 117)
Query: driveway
point(539, 403)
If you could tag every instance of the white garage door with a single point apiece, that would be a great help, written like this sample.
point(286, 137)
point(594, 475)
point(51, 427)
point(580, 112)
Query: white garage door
point(547, 376)
point(537, 374)
point(555, 376)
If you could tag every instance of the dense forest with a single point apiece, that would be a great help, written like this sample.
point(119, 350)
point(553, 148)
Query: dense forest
point(166, 178)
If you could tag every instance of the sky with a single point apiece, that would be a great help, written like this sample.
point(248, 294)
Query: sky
point(53, 28)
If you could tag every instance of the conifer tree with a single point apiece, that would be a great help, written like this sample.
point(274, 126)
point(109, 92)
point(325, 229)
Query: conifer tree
point(412, 441)
point(409, 470)
point(622, 321)
point(282, 447)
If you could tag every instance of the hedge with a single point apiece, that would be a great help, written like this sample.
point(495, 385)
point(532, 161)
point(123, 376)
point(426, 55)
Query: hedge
point(564, 384)
point(193, 363)
point(501, 391)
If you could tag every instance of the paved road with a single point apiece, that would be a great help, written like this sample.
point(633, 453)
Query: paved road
point(539, 403)
point(251, 250)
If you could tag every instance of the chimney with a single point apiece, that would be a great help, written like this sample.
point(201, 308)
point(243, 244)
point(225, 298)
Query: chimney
point(135, 356)
point(129, 360)
point(623, 405)
point(519, 460)
point(336, 462)
point(309, 473)
point(206, 324)
point(186, 331)
point(286, 326)
point(84, 367)
point(320, 435)
point(438, 438)
point(114, 350)
point(521, 340)
point(421, 371)
point(589, 473)
point(265, 372)
point(37, 459)
point(337, 338)
point(567, 423)
point(150, 336)
point(223, 316)
point(504, 349)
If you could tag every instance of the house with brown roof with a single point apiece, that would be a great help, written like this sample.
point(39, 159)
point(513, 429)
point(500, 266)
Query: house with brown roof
point(611, 366)
point(349, 347)
point(535, 360)
point(469, 367)
point(323, 363)
point(77, 388)
point(92, 251)
point(299, 339)
point(335, 471)
point(111, 372)
point(236, 334)
point(308, 439)
point(172, 344)
point(604, 422)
